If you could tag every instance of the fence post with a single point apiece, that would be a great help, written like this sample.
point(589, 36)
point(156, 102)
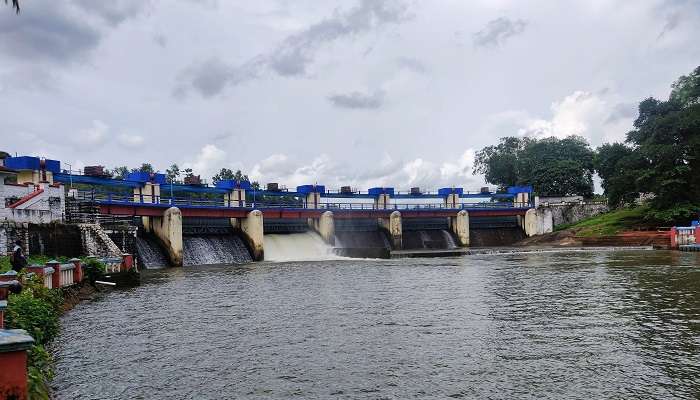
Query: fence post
point(56, 276)
point(78, 271)
point(674, 241)
point(14, 344)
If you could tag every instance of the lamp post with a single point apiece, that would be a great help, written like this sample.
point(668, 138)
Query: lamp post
point(70, 174)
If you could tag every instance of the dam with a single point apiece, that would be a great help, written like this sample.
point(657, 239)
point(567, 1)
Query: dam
point(233, 222)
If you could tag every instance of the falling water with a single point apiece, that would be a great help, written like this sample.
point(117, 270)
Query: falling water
point(434, 239)
point(214, 249)
point(305, 246)
point(150, 255)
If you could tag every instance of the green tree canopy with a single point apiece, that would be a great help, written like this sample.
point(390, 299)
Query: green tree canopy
point(663, 156)
point(119, 172)
point(552, 166)
point(228, 174)
point(173, 173)
point(145, 167)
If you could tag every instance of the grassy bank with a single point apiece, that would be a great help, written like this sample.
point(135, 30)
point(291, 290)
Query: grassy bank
point(611, 223)
point(37, 310)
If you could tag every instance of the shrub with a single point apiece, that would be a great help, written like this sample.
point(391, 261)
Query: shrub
point(94, 269)
point(35, 315)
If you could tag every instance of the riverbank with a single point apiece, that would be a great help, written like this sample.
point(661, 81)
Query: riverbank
point(36, 306)
point(620, 228)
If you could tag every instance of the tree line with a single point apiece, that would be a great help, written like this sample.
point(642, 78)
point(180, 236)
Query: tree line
point(659, 159)
point(174, 174)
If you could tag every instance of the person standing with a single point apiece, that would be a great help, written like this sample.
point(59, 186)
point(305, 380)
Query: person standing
point(18, 260)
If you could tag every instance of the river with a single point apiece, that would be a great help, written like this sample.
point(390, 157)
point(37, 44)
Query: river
point(579, 325)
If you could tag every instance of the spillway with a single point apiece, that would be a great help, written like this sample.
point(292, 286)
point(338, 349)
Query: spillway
point(149, 253)
point(214, 249)
point(428, 239)
point(307, 246)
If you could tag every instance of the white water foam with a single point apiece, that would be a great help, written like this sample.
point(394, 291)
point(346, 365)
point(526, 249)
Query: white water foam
point(307, 246)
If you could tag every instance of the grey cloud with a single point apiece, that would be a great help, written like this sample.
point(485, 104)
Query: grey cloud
point(622, 111)
point(412, 64)
point(210, 77)
point(672, 21)
point(498, 31)
point(295, 53)
point(45, 30)
point(358, 100)
point(114, 12)
point(160, 40)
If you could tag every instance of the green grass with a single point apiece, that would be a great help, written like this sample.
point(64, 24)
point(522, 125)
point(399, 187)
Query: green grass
point(609, 223)
point(32, 260)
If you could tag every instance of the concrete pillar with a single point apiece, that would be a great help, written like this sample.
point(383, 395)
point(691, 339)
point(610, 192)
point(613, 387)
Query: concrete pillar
point(382, 202)
point(313, 200)
point(460, 227)
point(522, 199)
point(538, 221)
point(325, 226)
point(452, 200)
point(14, 344)
point(252, 229)
point(149, 193)
point(530, 222)
point(168, 229)
point(235, 198)
point(545, 220)
point(393, 226)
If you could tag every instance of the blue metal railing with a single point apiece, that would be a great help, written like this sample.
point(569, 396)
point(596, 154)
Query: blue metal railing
point(164, 201)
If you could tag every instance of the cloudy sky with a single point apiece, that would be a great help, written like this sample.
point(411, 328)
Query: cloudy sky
point(353, 92)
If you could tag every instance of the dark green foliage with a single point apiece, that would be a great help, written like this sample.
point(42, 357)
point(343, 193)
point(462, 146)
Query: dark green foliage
point(228, 174)
point(663, 157)
point(35, 315)
point(552, 166)
point(173, 173)
point(94, 269)
point(145, 167)
point(616, 165)
point(40, 372)
point(119, 172)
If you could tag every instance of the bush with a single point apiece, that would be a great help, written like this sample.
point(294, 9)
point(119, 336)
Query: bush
point(40, 372)
point(37, 316)
point(94, 269)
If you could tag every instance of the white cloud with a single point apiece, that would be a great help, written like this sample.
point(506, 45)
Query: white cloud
point(208, 162)
point(428, 175)
point(594, 116)
point(95, 135)
point(130, 141)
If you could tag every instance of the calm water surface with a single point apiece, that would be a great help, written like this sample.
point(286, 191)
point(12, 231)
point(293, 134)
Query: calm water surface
point(574, 325)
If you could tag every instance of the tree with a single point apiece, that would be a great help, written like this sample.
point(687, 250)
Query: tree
point(119, 172)
point(617, 166)
point(15, 5)
point(188, 173)
point(663, 157)
point(227, 174)
point(145, 167)
point(173, 173)
point(552, 166)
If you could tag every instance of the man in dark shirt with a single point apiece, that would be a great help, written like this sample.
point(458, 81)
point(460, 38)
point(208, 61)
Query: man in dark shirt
point(18, 259)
